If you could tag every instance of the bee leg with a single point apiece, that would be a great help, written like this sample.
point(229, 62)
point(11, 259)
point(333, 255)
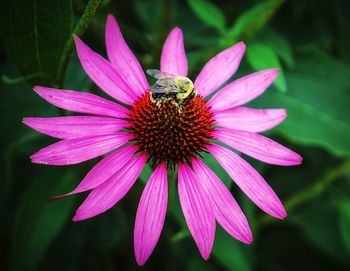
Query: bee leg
point(152, 99)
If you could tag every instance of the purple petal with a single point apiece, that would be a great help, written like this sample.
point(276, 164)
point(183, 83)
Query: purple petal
point(258, 147)
point(242, 90)
point(219, 69)
point(103, 170)
point(249, 180)
point(197, 210)
point(103, 74)
point(123, 60)
point(173, 59)
point(76, 126)
point(77, 150)
point(250, 119)
point(226, 209)
point(150, 214)
point(111, 191)
point(81, 102)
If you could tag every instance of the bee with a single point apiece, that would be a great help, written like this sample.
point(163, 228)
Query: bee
point(171, 87)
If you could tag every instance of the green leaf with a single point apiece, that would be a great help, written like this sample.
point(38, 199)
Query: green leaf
point(34, 34)
point(262, 57)
point(39, 221)
point(317, 102)
point(208, 13)
point(319, 220)
point(76, 78)
point(246, 18)
point(280, 46)
point(18, 101)
point(344, 222)
point(230, 253)
point(251, 21)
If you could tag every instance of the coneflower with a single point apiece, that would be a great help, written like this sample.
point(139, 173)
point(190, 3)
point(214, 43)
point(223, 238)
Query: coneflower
point(143, 130)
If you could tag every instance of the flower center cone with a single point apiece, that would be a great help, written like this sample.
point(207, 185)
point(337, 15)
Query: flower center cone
point(168, 134)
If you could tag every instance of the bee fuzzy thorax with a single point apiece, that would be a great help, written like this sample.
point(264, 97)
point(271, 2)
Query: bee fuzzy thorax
point(178, 89)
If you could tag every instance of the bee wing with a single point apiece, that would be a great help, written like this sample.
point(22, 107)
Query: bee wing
point(158, 74)
point(164, 89)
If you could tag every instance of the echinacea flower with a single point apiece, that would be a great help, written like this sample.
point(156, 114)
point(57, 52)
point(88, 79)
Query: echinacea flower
point(138, 130)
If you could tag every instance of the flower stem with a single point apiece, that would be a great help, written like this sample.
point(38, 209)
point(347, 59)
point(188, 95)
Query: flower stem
point(314, 190)
point(88, 15)
point(172, 181)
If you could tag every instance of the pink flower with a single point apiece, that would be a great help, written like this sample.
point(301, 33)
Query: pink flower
point(159, 133)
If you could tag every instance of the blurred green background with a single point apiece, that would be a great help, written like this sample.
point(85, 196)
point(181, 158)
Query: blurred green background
point(307, 40)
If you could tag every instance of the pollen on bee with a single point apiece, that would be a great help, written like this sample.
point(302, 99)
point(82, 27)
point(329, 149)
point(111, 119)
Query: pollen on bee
point(168, 134)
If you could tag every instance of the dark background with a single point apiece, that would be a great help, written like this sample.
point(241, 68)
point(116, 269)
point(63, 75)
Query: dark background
point(308, 41)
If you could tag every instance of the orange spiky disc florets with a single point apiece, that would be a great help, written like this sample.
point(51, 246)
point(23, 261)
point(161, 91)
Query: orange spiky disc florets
point(169, 133)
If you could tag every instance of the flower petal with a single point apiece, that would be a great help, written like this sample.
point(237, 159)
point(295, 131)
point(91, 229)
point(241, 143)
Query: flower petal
point(197, 210)
point(111, 191)
point(242, 90)
point(150, 214)
point(249, 180)
point(77, 150)
point(226, 209)
point(173, 59)
point(103, 74)
point(258, 147)
point(81, 102)
point(123, 60)
point(250, 119)
point(75, 126)
point(103, 170)
point(219, 69)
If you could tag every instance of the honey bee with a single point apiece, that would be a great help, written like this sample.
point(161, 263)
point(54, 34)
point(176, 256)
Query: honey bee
point(171, 87)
